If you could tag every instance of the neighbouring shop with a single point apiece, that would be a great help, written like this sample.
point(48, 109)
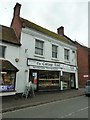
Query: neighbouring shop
point(7, 76)
point(51, 76)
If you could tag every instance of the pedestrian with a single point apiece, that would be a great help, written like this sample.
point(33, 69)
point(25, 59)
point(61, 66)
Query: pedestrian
point(32, 88)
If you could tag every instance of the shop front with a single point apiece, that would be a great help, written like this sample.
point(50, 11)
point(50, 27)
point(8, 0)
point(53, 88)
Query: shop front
point(46, 80)
point(7, 77)
point(51, 75)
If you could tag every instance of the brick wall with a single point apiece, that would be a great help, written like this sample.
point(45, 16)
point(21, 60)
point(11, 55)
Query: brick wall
point(82, 62)
point(16, 22)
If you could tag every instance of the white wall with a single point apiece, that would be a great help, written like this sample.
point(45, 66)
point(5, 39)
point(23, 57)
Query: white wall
point(11, 53)
point(27, 50)
point(28, 40)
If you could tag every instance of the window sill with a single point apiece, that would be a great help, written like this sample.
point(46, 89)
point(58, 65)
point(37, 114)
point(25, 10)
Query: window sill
point(39, 56)
point(66, 61)
point(55, 59)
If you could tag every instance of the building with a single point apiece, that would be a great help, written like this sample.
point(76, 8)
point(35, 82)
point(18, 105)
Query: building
point(83, 64)
point(47, 58)
point(9, 51)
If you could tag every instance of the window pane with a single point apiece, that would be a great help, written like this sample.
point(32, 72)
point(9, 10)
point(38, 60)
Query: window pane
point(2, 51)
point(54, 54)
point(66, 54)
point(54, 51)
point(54, 48)
point(39, 47)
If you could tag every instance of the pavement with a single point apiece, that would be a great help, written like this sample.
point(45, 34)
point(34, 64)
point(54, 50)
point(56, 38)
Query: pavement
point(10, 103)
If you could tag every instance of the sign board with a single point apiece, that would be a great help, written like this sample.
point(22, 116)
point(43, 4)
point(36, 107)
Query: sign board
point(85, 76)
point(45, 65)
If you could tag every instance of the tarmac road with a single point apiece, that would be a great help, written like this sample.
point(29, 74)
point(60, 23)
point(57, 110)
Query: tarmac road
point(70, 108)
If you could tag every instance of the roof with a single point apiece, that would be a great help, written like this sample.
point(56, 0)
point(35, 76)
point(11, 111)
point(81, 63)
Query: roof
point(45, 31)
point(80, 44)
point(7, 34)
point(7, 66)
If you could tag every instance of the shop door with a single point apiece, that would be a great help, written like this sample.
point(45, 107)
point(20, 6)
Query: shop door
point(66, 80)
point(72, 81)
point(33, 76)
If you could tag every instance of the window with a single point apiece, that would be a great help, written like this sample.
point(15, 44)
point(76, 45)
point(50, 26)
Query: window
point(48, 80)
point(2, 51)
point(73, 56)
point(54, 51)
point(39, 47)
point(7, 81)
point(66, 54)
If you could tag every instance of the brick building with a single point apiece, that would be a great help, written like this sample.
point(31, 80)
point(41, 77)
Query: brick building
point(83, 64)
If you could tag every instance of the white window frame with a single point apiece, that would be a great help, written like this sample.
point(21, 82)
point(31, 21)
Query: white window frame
point(55, 52)
point(39, 48)
point(66, 54)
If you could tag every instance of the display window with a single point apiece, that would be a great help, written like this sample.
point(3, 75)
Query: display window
point(48, 80)
point(7, 81)
point(66, 80)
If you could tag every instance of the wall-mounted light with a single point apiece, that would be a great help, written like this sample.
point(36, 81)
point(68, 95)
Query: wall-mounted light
point(26, 50)
point(26, 70)
point(17, 59)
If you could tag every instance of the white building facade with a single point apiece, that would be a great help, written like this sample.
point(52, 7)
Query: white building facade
point(50, 62)
point(9, 52)
point(47, 58)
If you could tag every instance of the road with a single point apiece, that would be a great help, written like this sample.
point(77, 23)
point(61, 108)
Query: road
point(76, 107)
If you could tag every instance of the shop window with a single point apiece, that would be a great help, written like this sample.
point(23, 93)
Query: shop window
point(7, 81)
point(66, 80)
point(48, 80)
point(2, 51)
point(66, 54)
point(39, 47)
point(54, 51)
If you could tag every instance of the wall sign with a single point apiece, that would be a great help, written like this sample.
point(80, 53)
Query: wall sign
point(45, 65)
point(85, 76)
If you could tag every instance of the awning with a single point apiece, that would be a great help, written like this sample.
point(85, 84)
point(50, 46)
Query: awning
point(6, 65)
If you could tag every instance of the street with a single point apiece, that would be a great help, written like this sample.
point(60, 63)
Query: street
point(76, 107)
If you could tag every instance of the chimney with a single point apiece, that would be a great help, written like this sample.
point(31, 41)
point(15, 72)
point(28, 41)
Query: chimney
point(16, 21)
point(17, 9)
point(60, 30)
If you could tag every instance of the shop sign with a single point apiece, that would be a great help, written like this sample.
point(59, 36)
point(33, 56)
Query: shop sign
point(44, 65)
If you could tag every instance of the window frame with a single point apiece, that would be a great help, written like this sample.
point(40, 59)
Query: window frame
point(39, 48)
point(55, 52)
point(66, 54)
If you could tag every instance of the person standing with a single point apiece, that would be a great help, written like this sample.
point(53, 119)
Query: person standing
point(32, 88)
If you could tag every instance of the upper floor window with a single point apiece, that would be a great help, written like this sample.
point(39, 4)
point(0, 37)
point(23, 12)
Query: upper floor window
point(39, 47)
point(2, 51)
point(66, 54)
point(54, 51)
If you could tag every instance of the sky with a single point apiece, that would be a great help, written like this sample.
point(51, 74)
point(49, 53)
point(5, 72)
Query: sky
point(51, 14)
